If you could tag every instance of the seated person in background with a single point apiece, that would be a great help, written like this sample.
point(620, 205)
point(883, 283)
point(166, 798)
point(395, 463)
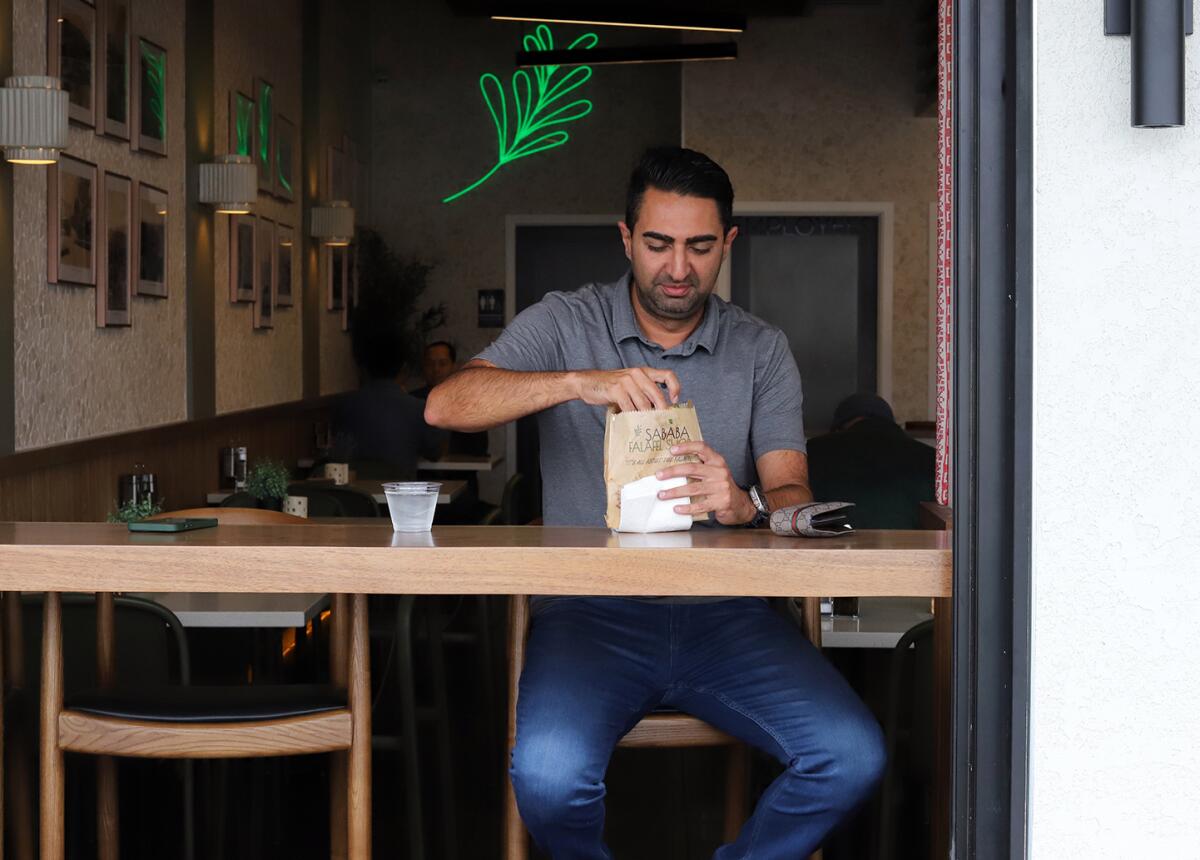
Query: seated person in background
point(380, 429)
point(869, 460)
point(439, 360)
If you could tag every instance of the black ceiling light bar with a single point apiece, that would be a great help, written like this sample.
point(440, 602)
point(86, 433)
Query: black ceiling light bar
point(641, 17)
point(629, 54)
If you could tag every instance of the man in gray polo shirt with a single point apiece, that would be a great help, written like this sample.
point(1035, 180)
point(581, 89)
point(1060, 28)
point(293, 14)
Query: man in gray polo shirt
point(595, 666)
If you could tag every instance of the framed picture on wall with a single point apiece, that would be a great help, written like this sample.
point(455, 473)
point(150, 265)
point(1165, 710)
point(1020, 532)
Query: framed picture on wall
point(336, 279)
point(285, 248)
point(265, 257)
point(112, 68)
point(71, 55)
point(71, 223)
point(114, 290)
point(241, 124)
point(264, 134)
point(150, 97)
point(242, 271)
point(150, 241)
point(286, 147)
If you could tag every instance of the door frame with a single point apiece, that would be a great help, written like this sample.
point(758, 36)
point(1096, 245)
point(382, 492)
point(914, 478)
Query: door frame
point(992, 109)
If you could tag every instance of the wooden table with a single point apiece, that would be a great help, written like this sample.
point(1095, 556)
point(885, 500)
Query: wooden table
point(450, 491)
point(470, 560)
point(370, 558)
point(463, 463)
point(222, 609)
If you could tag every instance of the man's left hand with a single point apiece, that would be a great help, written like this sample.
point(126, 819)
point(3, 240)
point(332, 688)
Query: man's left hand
point(713, 490)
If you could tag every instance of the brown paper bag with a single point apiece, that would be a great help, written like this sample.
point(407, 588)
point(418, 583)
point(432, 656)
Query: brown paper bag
point(638, 444)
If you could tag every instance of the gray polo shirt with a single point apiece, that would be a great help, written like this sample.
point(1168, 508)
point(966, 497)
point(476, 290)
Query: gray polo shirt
point(737, 369)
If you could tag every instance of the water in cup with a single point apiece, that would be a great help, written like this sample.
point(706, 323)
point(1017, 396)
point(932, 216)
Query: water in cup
point(411, 504)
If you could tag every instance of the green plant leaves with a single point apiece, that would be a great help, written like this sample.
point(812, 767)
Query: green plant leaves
point(537, 102)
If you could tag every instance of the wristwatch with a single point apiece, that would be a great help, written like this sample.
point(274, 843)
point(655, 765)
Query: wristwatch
point(762, 512)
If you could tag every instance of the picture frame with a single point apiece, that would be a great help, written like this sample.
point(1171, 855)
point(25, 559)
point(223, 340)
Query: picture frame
point(335, 281)
point(242, 117)
point(243, 272)
point(264, 134)
point(285, 253)
point(150, 241)
point(112, 68)
point(71, 55)
point(114, 287)
point(264, 264)
point(149, 97)
point(71, 228)
point(286, 149)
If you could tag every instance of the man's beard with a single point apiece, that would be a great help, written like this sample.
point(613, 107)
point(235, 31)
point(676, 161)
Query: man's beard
point(657, 303)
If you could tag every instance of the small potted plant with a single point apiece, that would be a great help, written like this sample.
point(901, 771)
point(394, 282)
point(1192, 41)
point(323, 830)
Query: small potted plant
point(268, 482)
point(135, 511)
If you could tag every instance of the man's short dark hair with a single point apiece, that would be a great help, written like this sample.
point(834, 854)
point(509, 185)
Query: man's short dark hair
point(449, 348)
point(679, 171)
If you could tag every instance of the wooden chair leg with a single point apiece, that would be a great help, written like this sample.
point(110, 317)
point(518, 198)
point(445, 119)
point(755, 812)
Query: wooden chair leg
point(108, 837)
point(737, 774)
point(52, 777)
point(516, 837)
point(358, 780)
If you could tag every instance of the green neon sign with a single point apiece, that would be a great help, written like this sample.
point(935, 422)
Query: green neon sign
point(533, 102)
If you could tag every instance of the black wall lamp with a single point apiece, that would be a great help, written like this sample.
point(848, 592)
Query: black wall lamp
point(1156, 28)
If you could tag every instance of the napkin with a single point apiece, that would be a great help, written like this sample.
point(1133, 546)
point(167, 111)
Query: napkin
point(643, 511)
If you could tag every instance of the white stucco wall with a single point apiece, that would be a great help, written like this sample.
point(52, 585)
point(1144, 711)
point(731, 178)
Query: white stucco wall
point(1116, 648)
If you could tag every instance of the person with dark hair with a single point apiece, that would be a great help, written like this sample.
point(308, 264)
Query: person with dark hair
point(595, 666)
point(380, 425)
point(869, 460)
point(438, 361)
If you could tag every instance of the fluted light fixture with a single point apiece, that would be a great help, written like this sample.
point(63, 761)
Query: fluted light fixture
point(230, 184)
point(332, 223)
point(33, 119)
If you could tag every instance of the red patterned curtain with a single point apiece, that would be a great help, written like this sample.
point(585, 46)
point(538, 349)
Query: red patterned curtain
point(945, 242)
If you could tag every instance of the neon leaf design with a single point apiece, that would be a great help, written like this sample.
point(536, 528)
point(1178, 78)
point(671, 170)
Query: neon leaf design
point(264, 124)
point(154, 71)
point(245, 112)
point(534, 96)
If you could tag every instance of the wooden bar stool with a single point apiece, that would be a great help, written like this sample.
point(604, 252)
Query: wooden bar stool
point(215, 722)
point(655, 730)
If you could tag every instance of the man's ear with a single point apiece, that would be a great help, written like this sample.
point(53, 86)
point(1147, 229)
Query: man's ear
point(729, 237)
point(626, 239)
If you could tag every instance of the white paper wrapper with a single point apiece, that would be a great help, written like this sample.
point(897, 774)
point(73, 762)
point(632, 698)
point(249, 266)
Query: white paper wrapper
point(643, 511)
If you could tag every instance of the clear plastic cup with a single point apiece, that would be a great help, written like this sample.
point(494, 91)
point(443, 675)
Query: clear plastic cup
point(411, 504)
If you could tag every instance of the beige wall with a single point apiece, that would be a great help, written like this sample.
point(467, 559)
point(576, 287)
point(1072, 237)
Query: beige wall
point(256, 367)
point(72, 379)
point(821, 108)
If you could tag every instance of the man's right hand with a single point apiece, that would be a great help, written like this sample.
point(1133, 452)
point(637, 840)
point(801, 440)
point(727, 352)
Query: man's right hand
point(630, 389)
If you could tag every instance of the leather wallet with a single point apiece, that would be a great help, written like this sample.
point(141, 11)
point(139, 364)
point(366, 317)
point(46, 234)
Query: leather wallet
point(813, 519)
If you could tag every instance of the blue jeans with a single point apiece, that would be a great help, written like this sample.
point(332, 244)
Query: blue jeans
point(596, 666)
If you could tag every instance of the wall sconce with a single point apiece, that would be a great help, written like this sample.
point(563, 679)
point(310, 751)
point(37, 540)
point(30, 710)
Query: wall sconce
point(1157, 28)
point(333, 224)
point(230, 184)
point(33, 119)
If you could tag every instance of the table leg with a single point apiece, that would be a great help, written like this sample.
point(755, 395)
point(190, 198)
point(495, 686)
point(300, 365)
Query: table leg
point(943, 681)
point(107, 820)
point(53, 800)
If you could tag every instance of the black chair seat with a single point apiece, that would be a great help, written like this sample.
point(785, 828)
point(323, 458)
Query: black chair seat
point(210, 704)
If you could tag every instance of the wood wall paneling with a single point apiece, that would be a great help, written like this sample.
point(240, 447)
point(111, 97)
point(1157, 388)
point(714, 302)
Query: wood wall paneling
point(79, 482)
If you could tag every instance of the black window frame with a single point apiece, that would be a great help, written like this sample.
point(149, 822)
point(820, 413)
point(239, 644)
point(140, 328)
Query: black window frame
point(991, 407)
